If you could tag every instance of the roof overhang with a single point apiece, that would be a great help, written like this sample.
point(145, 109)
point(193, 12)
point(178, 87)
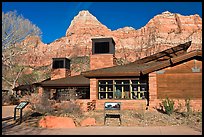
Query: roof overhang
point(73, 81)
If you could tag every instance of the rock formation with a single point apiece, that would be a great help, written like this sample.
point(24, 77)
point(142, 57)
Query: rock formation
point(161, 32)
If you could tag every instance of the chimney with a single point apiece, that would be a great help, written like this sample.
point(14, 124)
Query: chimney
point(60, 68)
point(103, 53)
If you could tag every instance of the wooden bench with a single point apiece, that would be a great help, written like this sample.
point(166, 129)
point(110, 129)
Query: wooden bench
point(112, 110)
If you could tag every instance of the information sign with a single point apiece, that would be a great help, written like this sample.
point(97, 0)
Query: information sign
point(22, 105)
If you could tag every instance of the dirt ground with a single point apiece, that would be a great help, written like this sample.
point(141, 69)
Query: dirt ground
point(129, 118)
point(147, 118)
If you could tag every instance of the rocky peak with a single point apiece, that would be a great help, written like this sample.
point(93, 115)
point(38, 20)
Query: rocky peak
point(126, 29)
point(167, 13)
point(83, 20)
point(84, 16)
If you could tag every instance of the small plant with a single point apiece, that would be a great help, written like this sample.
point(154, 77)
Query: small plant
point(168, 106)
point(179, 107)
point(188, 107)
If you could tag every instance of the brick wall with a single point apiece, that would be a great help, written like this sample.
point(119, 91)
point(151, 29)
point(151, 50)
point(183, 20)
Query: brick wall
point(60, 73)
point(152, 90)
point(125, 104)
point(98, 61)
point(139, 105)
point(93, 89)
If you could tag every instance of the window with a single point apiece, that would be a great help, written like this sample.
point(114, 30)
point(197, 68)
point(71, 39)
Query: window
point(106, 89)
point(122, 89)
point(65, 94)
point(58, 64)
point(83, 93)
point(101, 47)
point(61, 63)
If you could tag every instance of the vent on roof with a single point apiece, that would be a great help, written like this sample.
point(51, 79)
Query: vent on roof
point(195, 69)
point(160, 72)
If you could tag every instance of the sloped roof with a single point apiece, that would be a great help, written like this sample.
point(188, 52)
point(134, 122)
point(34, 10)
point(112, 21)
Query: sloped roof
point(78, 80)
point(28, 86)
point(166, 54)
point(148, 64)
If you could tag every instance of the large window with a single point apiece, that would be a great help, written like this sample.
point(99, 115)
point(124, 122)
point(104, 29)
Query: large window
point(65, 94)
point(122, 89)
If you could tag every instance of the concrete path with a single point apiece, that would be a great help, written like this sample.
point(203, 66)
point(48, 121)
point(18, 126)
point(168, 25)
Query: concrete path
point(103, 130)
point(8, 111)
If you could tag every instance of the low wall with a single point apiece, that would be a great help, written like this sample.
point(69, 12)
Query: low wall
point(125, 104)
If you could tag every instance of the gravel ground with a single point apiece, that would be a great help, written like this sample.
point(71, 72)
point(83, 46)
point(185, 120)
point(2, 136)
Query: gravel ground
point(129, 119)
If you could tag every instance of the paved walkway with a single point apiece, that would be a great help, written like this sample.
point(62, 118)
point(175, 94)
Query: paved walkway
point(8, 111)
point(104, 130)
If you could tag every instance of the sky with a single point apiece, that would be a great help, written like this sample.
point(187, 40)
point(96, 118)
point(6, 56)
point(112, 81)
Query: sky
point(54, 18)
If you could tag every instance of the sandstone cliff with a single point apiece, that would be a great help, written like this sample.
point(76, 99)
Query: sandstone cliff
point(161, 32)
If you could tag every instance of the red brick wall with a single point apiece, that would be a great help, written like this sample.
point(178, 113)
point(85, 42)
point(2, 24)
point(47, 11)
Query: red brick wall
point(139, 105)
point(152, 90)
point(60, 73)
point(93, 89)
point(98, 61)
point(125, 104)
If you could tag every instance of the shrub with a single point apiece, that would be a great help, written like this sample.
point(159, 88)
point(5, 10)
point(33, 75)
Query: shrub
point(168, 106)
point(9, 99)
point(188, 107)
point(69, 108)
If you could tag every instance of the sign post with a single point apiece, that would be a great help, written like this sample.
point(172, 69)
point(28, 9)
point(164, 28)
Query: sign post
point(20, 107)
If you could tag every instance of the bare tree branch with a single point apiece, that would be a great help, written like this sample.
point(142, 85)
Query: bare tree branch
point(15, 28)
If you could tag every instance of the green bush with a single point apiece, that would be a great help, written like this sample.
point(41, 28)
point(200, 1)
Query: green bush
point(168, 106)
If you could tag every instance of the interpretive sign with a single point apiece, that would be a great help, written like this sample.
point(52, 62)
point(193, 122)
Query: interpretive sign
point(112, 110)
point(20, 107)
point(112, 105)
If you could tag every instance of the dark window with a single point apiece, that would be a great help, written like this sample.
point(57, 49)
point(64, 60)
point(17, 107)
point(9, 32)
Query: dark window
point(67, 64)
point(83, 93)
point(61, 63)
point(65, 94)
point(101, 47)
point(58, 64)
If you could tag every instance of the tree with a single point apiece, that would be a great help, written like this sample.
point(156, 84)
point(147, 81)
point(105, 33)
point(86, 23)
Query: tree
point(15, 28)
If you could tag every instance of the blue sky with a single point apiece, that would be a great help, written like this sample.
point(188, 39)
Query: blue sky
point(53, 18)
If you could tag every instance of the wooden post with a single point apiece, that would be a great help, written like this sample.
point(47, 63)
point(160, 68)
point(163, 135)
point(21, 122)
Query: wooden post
point(14, 113)
point(21, 115)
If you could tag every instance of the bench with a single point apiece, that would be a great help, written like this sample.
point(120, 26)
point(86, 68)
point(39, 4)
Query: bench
point(112, 110)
